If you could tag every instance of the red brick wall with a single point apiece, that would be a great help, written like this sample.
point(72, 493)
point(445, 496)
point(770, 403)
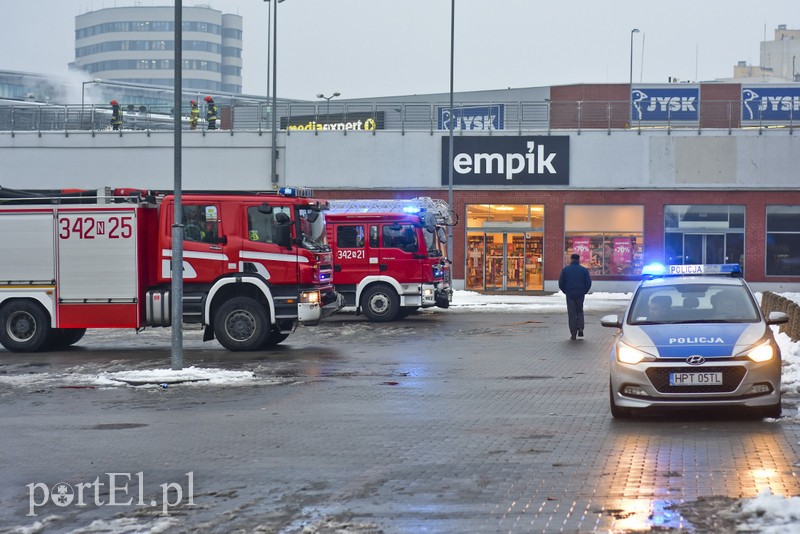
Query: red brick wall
point(719, 105)
point(601, 106)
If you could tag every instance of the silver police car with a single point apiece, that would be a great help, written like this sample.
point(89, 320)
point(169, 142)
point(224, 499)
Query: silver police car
point(693, 336)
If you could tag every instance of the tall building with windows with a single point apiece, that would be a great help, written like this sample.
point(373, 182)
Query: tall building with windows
point(136, 44)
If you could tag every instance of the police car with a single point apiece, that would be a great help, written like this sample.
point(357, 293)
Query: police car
point(693, 336)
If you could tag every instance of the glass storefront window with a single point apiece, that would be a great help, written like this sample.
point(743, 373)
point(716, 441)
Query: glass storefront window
point(783, 241)
point(609, 239)
point(704, 233)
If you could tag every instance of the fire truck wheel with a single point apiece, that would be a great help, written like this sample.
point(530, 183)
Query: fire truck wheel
point(274, 338)
point(405, 311)
point(24, 326)
point(380, 303)
point(241, 324)
point(64, 337)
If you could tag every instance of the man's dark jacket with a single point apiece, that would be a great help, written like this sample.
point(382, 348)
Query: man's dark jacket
point(575, 280)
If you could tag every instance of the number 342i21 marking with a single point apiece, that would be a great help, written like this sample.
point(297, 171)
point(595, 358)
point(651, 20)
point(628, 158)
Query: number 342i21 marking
point(350, 255)
point(91, 228)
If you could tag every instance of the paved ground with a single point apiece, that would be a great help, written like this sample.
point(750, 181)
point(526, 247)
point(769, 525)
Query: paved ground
point(445, 422)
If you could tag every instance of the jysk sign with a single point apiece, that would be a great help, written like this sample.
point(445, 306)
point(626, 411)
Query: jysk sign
point(507, 160)
point(781, 104)
point(337, 121)
point(665, 104)
point(472, 117)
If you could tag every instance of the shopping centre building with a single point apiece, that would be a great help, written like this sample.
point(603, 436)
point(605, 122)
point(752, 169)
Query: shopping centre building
point(623, 176)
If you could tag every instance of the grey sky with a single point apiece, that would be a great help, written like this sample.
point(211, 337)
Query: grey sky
point(367, 48)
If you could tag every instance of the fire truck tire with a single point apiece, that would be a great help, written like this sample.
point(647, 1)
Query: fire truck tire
point(24, 326)
point(380, 303)
point(405, 311)
point(64, 337)
point(241, 324)
point(274, 338)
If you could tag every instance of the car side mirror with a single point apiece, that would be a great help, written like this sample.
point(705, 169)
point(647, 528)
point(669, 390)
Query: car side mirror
point(777, 317)
point(611, 321)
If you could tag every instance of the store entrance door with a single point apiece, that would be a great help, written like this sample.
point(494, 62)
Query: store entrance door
point(704, 248)
point(504, 261)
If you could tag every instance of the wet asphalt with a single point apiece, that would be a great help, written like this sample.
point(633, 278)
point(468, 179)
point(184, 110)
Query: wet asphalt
point(446, 422)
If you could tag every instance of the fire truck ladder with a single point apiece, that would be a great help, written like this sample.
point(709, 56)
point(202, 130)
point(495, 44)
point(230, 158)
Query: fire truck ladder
point(439, 208)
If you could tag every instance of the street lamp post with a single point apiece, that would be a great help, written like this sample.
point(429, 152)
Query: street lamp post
point(83, 91)
point(328, 104)
point(630, 82)
point(274, 148)
point(450, 135)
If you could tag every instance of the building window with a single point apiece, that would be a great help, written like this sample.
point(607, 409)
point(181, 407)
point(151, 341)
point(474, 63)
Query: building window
point(703, 233)
point(783, 240)
point(609, 239)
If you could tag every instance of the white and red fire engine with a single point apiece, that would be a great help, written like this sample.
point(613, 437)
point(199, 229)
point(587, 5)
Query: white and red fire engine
point(255, 265)
point(389, 256)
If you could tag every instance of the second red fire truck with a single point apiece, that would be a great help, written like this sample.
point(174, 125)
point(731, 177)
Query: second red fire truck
point(389, 256)
point(255, 265)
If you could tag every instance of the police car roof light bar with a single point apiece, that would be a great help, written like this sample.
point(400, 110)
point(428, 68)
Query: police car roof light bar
point(654, 270)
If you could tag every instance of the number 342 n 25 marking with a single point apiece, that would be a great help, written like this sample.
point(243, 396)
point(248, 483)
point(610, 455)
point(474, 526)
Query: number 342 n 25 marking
point(91, 228)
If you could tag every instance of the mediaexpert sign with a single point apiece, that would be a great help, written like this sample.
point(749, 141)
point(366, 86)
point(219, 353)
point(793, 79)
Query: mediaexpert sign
point(357, 121)
point(665, 104)
point(507, 160)
point(472, 117)
point(779, 104)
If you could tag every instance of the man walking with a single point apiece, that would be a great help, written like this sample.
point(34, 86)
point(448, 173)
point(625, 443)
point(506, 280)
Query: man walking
point(194, 114)
point(116, 115)
point(575, 282)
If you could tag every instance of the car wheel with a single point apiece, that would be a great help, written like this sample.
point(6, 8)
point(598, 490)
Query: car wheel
point(24, 326)
point(617, 412)
point(380, 303)
point(773, 411)
point(241, 324)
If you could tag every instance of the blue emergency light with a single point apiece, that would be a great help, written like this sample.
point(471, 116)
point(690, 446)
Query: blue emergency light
point(412, 209)
point(297, 192)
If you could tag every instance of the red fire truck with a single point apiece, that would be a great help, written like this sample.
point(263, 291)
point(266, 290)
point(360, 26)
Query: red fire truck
point(255, 265)
point(389, 256)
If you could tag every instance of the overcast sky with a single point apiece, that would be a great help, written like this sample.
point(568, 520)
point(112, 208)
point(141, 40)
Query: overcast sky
point(365, 48)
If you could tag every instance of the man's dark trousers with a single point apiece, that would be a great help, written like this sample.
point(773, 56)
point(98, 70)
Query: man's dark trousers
point(575, 313)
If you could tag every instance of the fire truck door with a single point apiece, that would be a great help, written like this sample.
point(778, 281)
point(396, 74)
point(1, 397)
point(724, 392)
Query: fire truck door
point(353, 259)
point(401, 251)
point(260, 252)
point(204, 254)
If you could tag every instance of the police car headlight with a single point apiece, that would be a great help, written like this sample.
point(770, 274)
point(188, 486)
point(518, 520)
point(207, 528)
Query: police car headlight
point(762, 353)
point(630, 355)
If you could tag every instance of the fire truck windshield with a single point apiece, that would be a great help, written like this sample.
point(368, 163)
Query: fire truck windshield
point(312, 228)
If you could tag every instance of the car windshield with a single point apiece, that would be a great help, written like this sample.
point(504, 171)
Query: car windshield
point(693, 303)
point(312, 230)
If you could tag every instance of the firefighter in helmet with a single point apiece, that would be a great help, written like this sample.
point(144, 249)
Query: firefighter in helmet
point(194, 115)
point(211, 113)
point(116, 115)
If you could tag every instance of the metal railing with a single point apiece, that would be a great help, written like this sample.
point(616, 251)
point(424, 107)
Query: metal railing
point(345, 117)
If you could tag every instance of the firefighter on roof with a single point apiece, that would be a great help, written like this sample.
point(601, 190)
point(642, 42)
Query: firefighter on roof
point(116, 115)
point(194, 115)
point(211, 113)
